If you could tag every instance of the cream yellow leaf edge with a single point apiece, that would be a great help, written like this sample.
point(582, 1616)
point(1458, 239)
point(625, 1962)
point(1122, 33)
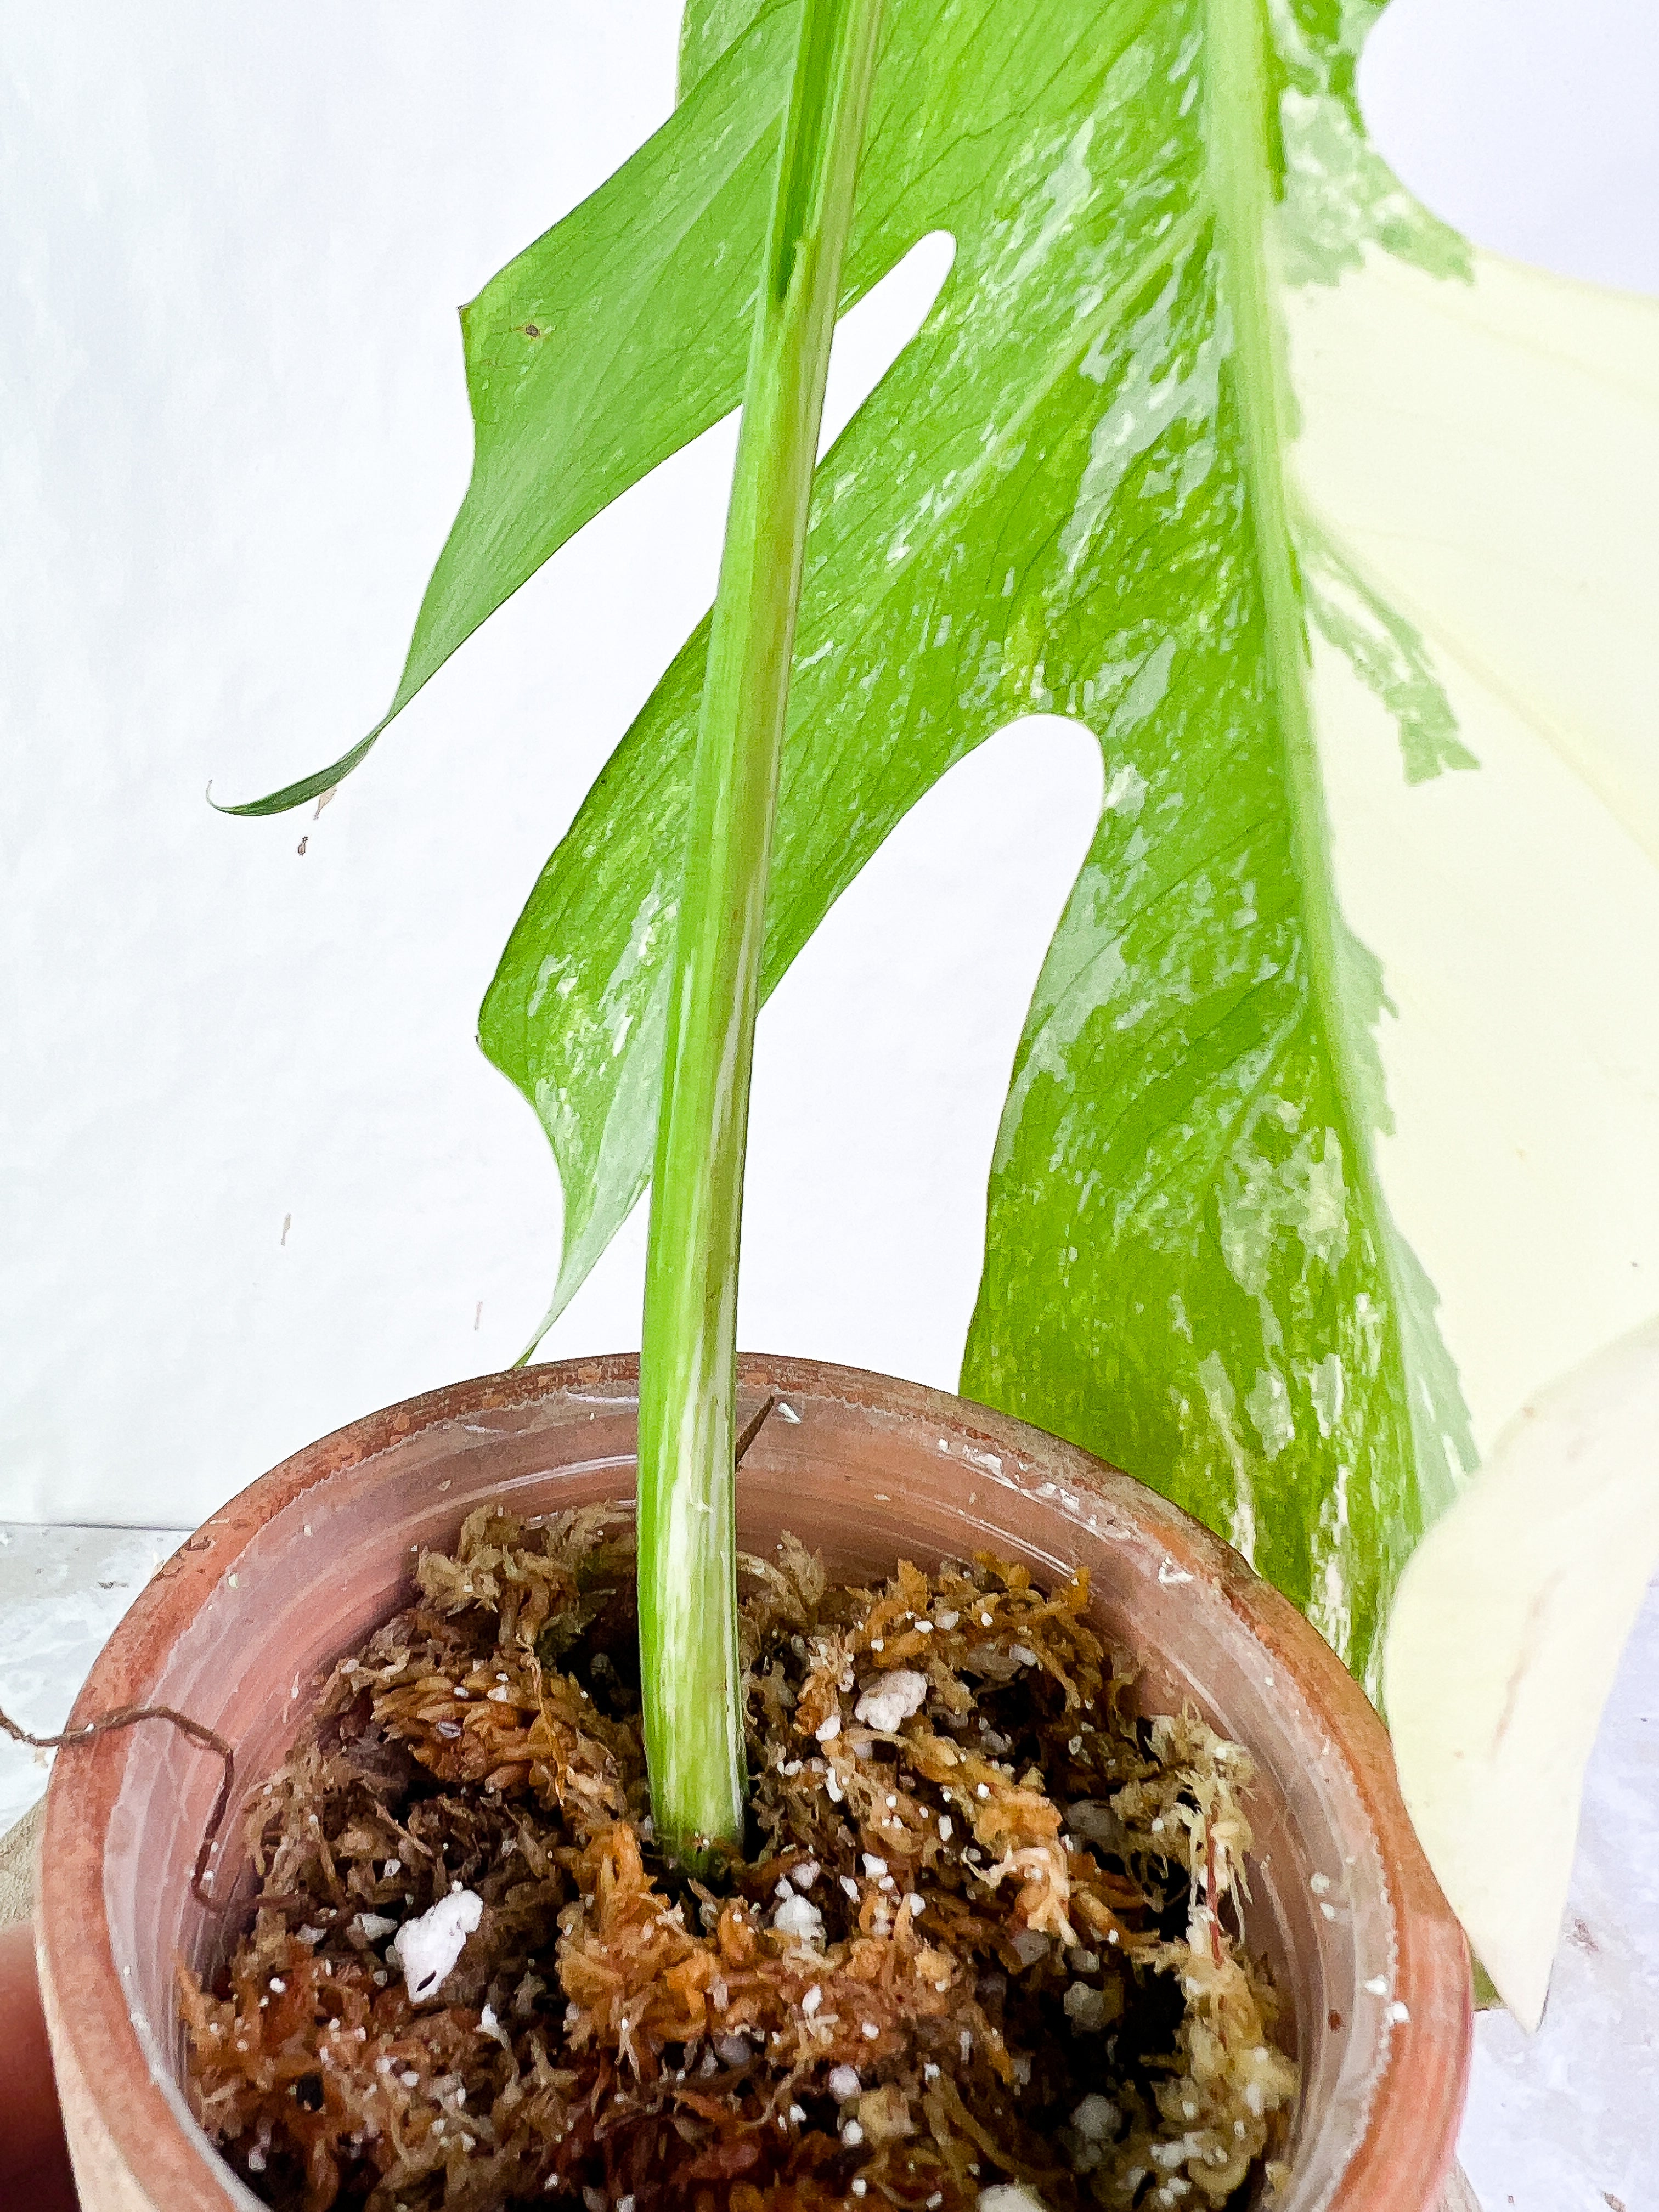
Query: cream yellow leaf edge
point(1485, 456)
point(1503, 1645)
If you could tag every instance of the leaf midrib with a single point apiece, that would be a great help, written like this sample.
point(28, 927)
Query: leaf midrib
point(1236, 172)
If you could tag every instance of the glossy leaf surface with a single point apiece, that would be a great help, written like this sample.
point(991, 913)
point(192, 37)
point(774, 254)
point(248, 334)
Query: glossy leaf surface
point(1091, 485)
point(1069, 494)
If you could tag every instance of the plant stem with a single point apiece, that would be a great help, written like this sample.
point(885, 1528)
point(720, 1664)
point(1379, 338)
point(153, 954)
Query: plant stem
point(689, 1668)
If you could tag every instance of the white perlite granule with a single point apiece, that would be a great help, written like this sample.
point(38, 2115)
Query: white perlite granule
point(428, 1947)
point(1098, 2119)
point(892, 1700)
point(799, 1918)
point(1010, 2197)
point(843, 2084)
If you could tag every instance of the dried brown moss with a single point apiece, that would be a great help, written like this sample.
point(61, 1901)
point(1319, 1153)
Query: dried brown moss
point(972, 1940)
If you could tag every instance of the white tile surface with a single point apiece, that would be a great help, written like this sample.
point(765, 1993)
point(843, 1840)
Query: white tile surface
point(1568, 2120)
point(62, 1592)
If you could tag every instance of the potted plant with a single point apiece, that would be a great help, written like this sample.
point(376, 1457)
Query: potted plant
point(1191, 1256)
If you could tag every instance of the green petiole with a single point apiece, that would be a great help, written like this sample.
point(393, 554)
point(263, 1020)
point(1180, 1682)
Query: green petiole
point(689, 1668)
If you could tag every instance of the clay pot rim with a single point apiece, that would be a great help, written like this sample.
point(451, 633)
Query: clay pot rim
point(1407, 2146)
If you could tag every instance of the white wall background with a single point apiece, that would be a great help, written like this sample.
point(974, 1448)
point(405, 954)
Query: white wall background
point(258, 1177)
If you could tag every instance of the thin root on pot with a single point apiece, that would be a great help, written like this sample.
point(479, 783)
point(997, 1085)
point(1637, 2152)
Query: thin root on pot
point(128, 1716)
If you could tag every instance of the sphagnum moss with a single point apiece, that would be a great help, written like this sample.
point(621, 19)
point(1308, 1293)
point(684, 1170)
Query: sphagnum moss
point(975, 1938)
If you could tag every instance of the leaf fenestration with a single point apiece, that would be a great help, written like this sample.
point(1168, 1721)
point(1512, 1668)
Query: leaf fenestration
point(1051, 503)
point(1067, 494)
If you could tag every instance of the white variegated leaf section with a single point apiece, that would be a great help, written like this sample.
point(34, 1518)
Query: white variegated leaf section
point(1476, 471)
point(1503, 1645)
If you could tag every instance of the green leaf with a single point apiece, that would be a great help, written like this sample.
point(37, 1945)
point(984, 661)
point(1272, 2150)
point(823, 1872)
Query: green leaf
point(1070, 494)
point(604, 348)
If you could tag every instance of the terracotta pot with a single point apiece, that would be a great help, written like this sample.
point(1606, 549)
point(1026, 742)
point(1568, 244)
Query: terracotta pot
point(297, 1569)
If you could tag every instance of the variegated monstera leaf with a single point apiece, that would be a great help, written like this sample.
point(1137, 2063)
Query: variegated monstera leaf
point(1216, 442)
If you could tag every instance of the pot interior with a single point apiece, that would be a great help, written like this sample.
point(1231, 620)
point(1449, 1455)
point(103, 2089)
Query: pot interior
point(239, 1628)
